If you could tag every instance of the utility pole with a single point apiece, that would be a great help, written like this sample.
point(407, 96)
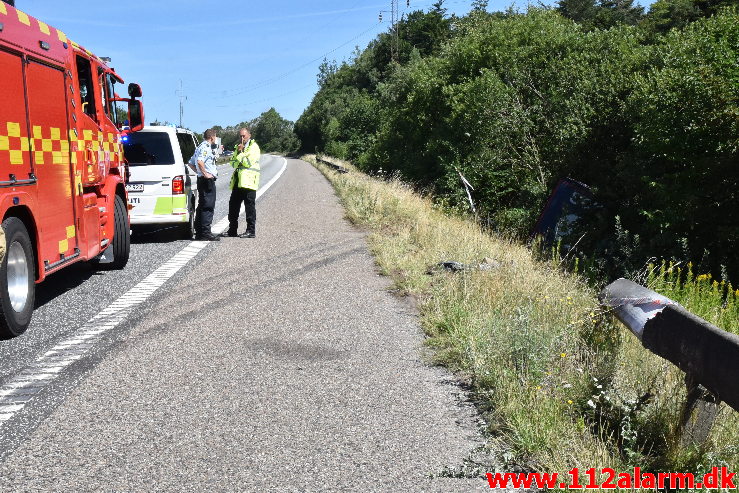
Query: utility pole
point(181, 93)
point(395, 46)
point(394, 28)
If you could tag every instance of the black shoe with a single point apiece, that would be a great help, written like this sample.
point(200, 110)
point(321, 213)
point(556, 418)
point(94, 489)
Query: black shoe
point(228, 234)
point(248, 234)
point(210, 237)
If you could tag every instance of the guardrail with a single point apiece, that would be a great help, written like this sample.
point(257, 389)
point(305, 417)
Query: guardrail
point(708, 355)
point(335, 166)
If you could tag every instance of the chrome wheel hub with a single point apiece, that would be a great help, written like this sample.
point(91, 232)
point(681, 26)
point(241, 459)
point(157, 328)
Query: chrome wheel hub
point(17, 277)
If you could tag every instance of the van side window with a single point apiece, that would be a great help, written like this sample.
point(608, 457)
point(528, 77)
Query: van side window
point(84, 79)
point(187, 146)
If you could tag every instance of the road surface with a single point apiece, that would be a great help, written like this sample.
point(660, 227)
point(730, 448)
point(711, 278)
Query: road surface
point(280, 363)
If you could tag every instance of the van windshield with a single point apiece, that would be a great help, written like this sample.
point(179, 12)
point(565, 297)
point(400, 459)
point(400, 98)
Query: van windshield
point(148, 148)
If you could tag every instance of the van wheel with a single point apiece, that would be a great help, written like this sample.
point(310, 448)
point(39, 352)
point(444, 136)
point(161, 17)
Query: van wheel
point(121, 244)
point(17, 279)
point(188, 229)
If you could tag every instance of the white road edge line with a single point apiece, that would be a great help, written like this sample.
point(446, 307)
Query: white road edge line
point(47, 367)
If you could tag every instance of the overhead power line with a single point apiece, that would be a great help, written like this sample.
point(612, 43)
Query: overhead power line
point(271, 98)
point(283, 75)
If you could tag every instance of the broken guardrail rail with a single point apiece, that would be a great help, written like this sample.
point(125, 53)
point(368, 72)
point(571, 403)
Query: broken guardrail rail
point(335, 166)
point(708, 355)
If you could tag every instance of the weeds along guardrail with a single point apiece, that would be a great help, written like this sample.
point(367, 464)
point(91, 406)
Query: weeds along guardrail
point(335, 166)
point(708, 355)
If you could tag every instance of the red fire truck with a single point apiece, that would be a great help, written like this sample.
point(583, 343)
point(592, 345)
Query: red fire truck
point(62, 173)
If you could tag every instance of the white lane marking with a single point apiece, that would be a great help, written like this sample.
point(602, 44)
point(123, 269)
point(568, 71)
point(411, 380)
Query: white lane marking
point(16, 392)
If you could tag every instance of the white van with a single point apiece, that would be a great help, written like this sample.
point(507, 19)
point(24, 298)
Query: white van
point(162, 189)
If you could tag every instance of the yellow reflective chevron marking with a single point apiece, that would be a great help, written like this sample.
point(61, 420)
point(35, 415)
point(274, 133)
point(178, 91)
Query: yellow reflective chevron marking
point(64, 244)
point(44, 28)
point(48, 145)
point(23, 17)
point(51, 150)
point(14, 129)
point(13, 143)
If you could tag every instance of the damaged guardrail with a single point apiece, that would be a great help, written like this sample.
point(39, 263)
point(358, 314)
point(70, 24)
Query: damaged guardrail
point(708, 355)
point(335, 166)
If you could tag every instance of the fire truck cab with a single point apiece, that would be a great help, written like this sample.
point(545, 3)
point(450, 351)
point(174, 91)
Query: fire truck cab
point(62, 171)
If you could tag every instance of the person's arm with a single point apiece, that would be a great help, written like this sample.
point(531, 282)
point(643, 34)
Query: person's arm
point(234, 161)
point(201, 164)
point(242, 157)
point(254, 155)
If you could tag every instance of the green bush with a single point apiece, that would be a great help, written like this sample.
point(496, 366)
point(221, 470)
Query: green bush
point(515, 102)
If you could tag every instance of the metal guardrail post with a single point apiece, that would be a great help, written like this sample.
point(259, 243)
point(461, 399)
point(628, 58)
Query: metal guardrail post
point(708, 355)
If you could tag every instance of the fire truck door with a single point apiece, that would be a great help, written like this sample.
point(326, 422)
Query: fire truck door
point(50, 152)
point(15, 160)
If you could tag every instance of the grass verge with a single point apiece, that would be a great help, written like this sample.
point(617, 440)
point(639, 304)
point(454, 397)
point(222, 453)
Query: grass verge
point(556, 378)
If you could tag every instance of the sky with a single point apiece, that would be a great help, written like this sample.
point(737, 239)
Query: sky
point(230, 60)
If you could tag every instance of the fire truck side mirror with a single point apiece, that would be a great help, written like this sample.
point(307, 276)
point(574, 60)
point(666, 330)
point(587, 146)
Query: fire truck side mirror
point(135, 115)
point(134, 90)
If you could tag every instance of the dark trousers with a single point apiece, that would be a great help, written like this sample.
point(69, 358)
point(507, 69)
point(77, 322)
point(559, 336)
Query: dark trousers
point(206, 205)
point(249, 198)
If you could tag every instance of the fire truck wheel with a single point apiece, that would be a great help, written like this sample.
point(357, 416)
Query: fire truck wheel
point(121, 244)
point(17, 280)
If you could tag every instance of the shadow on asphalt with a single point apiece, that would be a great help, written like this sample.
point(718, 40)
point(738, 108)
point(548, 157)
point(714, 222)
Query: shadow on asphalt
point(156, 234)
point(62, 281)
point(71, 277)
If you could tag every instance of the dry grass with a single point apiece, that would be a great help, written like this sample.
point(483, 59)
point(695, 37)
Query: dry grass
point(563, 385)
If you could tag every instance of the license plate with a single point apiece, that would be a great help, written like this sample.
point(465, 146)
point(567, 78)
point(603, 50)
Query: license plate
point(134, 187)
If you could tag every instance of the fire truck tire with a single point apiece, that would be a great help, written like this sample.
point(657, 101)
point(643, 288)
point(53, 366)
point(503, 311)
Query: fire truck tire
point(121, 244)
point(17, 280)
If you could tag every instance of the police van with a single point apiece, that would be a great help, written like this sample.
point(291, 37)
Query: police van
point(162, 189)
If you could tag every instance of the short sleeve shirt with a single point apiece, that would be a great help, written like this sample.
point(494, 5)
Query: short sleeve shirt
point(208, 157)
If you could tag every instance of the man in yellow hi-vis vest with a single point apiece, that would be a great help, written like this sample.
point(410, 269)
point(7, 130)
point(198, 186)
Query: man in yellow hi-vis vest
point(244, 185)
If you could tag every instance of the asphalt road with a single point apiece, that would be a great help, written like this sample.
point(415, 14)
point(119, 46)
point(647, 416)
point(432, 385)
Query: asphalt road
point(275, 364)
point(71, 297)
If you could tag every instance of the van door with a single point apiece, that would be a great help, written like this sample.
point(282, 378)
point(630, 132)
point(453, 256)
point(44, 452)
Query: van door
point(15, 159)
point(50, 153)
point(152, 164)
point(187, 148)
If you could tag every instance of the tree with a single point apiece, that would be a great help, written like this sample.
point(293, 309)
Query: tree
point(668, 14)
point(274, 133)
point(580, 11)
point(614, 12)
point(438, 8)
point(424, 31)
point(325, 70)
point(665, 15)
point(480, 5)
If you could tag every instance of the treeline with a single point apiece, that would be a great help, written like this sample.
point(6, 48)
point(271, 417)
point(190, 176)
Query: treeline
point(272, 132)
point(643, 108)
